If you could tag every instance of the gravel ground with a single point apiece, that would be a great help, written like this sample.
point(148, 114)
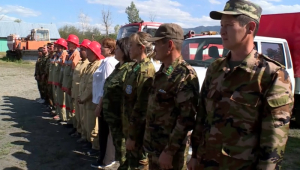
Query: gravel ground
point(29, 138)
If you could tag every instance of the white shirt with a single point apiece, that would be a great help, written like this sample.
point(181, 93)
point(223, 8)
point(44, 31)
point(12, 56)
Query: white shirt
point(106, 67)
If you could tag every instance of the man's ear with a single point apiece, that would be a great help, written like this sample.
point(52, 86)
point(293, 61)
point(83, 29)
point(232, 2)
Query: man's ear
point(251, 26)
point(170, 45)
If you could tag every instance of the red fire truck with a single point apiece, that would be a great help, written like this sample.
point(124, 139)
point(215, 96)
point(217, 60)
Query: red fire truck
point(128, 29)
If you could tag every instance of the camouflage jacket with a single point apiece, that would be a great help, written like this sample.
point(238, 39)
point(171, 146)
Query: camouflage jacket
point(113, 92)
point(51, 65)
point(171, 109)
point(135, 99)
point(243, 114)
point(44, 67)
point(37, 71)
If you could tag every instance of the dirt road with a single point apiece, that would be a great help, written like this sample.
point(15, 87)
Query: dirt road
point(31, 140)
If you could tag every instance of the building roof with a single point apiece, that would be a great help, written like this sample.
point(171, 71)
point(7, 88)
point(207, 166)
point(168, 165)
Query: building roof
point(23, 29)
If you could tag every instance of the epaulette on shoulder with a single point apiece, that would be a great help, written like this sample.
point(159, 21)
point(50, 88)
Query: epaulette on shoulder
point(189, 68)
point(268, 59)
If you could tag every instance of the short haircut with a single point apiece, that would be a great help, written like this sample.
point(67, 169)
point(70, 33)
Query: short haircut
point(177, 43)
point(123, 44)
point(109, 43)
point(40, 49)
point(244, 20)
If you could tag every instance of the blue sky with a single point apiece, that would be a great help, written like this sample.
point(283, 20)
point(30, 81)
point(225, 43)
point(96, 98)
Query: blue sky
point(187, 13)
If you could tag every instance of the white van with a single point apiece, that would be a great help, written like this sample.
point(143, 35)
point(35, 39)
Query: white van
point(201, 51)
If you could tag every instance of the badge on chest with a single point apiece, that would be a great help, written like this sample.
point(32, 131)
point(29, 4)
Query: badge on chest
point(128, 89)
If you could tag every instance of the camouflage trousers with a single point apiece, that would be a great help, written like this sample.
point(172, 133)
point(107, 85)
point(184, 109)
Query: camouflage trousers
point(41, 90)
point(118, 139)
point(215, 161)
point(50, 95)
point(136, 159)
point(179, 159)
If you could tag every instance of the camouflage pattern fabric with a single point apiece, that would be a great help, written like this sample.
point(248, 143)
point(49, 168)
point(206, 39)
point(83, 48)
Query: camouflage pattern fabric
point(112, 108)
point(244, 115)
point(179, 159)
point(37, 73)
point(171, 108)
point(44, 70)
point(50, 64)
point(135, 100)
point(238, 7)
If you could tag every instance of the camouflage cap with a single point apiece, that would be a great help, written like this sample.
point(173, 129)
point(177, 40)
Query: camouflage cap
point(239, 7)
point(168, 30)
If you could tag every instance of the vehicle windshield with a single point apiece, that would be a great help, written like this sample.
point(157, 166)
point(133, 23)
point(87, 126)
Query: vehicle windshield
point(150, 31)
point(42, 35)
point(202, 51)
point(127, 31)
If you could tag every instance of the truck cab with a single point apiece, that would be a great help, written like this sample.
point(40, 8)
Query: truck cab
point(128, 29)
point(201, 51)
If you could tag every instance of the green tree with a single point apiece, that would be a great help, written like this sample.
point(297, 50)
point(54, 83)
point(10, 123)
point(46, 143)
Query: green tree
point(116, 28)
point(18, 20)
point(91, 33)
point(133, 13)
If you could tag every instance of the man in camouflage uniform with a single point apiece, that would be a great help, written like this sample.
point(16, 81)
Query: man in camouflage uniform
point(37, 74)
point(172, 102)
point(49, 67)
point(245, 100)
point(44, 72)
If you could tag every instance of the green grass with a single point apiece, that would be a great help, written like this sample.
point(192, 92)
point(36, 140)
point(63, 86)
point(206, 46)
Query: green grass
point(292, 151)
point(5, 149)
point(7, 62)
point(2, 54)
point(7, 59)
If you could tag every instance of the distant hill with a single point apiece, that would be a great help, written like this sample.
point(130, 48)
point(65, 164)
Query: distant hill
point(202, 28)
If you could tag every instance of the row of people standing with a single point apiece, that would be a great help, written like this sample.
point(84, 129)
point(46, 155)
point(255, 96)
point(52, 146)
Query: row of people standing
point(156, 108)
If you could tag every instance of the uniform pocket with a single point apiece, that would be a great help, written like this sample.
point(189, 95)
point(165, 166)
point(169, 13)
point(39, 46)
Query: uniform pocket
point(164, 97)
point(245, 98)
point(238, 152)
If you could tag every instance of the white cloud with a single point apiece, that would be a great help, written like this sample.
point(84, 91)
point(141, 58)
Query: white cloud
point(7, 18)
point(171, 10)
point(214, 2)
point(20, 10)
point(270, 8)
point(163, 9)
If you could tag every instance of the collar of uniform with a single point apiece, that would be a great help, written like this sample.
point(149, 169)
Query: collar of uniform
point(137, 65)
point(171, 68)
point(92, 63)
point(145, 60)
point(247, 64)
point(120, 67)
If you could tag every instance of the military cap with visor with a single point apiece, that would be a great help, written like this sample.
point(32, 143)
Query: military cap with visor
point(239, 7)
point(168, 30)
